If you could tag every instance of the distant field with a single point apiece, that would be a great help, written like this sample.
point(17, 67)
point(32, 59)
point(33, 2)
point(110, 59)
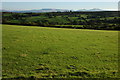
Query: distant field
point(103, 20)
point(61, 53)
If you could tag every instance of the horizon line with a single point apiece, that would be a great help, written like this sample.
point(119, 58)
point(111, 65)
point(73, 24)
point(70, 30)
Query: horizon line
point(57, 8)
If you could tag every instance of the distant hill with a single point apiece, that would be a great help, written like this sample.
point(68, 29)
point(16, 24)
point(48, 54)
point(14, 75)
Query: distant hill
point(94, 9)
point(51, 10)
point(38, 10)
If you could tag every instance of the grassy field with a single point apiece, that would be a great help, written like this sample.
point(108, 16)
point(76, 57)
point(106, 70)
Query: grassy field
point(61, 53)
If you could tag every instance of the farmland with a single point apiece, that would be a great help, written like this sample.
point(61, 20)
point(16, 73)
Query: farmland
point(45, 52)
point(104, 20)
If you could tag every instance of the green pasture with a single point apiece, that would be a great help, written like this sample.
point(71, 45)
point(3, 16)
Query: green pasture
point(45, 52)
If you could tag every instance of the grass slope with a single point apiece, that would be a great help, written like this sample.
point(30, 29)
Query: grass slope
point(52, 52)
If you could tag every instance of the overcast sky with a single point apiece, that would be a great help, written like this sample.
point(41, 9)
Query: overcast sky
point(59, 0)
point(59, 5)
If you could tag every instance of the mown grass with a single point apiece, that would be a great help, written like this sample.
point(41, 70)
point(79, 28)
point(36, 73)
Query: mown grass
point(61, 53)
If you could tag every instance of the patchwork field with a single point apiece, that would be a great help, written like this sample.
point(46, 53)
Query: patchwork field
point(58, 53)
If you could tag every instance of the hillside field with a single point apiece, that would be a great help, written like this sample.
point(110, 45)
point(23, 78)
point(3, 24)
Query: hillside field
point(103, 20)
point(45, 52)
